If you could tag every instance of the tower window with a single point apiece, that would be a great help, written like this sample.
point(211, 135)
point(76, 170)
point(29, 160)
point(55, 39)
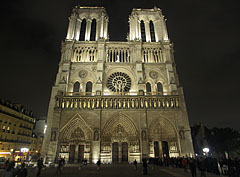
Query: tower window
point(76, 87)
point(148, 87)
point(93, 30)
point(152, 32)
point(82, 30)
point(143, 33)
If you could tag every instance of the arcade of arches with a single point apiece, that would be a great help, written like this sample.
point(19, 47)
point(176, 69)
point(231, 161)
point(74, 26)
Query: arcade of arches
point(120, 140)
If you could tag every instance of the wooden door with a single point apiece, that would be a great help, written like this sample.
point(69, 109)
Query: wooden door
point(156, 149)
point(72, 153)
point(80, 153)
point(124, 152)
point(115, 152)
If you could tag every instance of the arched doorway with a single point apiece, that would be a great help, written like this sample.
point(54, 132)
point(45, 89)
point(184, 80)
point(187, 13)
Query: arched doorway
point(120, 140)
point(75, 140)
point(163, 139)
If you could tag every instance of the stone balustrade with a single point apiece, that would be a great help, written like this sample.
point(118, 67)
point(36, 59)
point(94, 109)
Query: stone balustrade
point(117, 102)
point(120, 52)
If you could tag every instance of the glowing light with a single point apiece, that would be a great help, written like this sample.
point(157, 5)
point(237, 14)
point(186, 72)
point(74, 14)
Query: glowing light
point(44, 131)
point(206, 150)
point(24, 149)
point(5, 153)
point(11, 150)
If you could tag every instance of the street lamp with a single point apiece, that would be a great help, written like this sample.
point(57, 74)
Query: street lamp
point(206, 150)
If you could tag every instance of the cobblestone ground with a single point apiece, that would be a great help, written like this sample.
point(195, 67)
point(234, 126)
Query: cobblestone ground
point(114, 170)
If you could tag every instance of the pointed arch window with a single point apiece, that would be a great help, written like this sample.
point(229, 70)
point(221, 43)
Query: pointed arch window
point(148, 88)
point(82, 30)
point(143, 33)
point(76, 87)
point(93, 30)
point(159, 88)
point(152, 32)
point(88, 87)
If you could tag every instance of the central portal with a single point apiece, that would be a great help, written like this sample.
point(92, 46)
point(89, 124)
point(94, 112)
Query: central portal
point(119, 152)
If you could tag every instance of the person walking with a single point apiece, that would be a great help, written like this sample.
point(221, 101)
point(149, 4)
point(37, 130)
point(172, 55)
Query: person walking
point(192, 165)
point(98, 164)
point(40, 166)
point(145, 171)
point(22, 171)
point(60, 166)
point(135, 164)
point(184, 164)
point(202, 167)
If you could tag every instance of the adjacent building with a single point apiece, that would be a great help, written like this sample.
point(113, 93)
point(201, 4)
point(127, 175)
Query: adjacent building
point(16, 128)
point(116, 101)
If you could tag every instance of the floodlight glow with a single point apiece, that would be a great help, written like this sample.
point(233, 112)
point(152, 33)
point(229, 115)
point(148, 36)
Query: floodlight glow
point(206, 150)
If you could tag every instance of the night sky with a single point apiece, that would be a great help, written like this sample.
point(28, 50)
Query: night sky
point(206, 44)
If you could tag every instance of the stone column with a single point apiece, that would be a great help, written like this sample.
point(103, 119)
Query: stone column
point(106, 28)
point(71, 28)
point(147, 30)
point(77, 29)
point(165, 34)
point(88, 30)
point(98, 29)
point(101, 26)
point(157, 30)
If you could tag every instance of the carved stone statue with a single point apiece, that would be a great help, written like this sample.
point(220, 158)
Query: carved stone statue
point(96, 135)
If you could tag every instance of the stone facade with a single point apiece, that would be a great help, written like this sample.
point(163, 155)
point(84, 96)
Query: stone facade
point(116, 101)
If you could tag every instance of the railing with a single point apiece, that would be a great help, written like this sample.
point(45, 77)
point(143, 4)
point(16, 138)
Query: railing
point(119, 53)
point(117, 102)
point(152, 55)
point(85, 53)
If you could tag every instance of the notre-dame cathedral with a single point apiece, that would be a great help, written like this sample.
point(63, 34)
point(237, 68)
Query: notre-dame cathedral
point(116, 101)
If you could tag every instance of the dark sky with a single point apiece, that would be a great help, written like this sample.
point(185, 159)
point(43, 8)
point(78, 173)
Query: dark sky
point(205, 36)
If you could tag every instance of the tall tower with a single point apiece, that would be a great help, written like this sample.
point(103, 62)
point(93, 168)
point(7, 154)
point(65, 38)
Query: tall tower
point(116, 101)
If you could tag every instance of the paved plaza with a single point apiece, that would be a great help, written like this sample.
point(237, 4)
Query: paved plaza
point(113, 170)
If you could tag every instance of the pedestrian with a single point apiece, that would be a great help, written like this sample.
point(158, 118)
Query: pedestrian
point(184, 164)
point(22, 172)
point(60, 166)
point(192, 166)
point(145, 172)
point(98, 164)
point(202, 167)
point(135, 164)
point(40, 166)
point(9, 171)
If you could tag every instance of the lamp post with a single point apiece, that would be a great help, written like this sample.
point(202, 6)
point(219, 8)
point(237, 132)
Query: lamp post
point(206, 150)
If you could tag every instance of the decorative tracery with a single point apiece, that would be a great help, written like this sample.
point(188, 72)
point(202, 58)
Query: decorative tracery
point(119, 82)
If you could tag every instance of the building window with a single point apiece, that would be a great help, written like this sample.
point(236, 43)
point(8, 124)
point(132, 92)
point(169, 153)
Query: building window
point(143, 33)
point(93, 30)
point(89, 87)
point(148, 87)
point(159, 88)
point(82, 30)
point(152, 32)
point(76, 87)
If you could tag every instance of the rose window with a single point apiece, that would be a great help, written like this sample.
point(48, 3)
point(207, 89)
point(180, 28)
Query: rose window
point(119, 82)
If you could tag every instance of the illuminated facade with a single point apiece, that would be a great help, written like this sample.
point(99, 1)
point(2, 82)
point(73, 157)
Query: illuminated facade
point(116, 101)
point(17, 125)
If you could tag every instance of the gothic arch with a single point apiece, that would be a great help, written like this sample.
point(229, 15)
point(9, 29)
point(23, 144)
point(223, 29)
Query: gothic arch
point(74, 124)
point(122, 121)
point(162, 129)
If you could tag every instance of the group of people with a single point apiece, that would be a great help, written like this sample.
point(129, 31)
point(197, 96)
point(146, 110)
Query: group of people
point(11, 171)
point(227, 167)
